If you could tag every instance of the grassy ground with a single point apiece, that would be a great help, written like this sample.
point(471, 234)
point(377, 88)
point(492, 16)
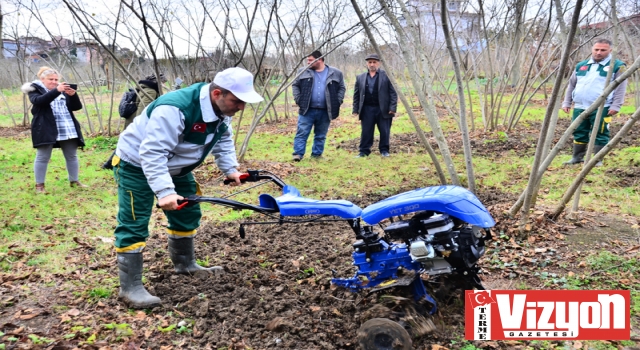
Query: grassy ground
point(337, 175)
point(42, 233)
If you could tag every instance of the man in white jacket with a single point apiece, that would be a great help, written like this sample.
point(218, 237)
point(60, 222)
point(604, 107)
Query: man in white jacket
point(154, 160)
point(585, 86)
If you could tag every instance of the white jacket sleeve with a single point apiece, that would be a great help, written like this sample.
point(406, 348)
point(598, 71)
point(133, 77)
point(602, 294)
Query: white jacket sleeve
point(224, 152)
point(618, 94)
point(163, 131)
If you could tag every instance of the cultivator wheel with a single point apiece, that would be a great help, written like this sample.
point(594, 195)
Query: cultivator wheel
point(383, 334)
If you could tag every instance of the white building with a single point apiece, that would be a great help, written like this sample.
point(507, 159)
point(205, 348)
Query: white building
point(465, 23)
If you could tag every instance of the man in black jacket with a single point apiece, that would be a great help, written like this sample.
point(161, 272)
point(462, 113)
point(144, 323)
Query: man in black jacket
point(319, 92)
point(375, 100)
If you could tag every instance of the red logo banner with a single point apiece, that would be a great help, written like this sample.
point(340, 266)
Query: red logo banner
point(547, 315)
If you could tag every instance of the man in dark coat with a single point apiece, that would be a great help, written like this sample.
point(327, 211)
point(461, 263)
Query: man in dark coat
point(318, 91)
point(375, 101)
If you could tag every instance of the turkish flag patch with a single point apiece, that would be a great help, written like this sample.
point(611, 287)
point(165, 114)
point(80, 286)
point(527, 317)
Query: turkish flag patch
point(199, 127)
point(584, 68)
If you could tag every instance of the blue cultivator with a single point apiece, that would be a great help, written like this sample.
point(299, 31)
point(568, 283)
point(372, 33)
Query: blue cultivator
point(431, 231)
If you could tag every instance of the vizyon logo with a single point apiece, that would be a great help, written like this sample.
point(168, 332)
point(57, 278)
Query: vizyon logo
point(547, 314)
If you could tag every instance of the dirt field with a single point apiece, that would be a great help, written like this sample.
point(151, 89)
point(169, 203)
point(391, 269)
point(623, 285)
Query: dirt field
point(276, 292)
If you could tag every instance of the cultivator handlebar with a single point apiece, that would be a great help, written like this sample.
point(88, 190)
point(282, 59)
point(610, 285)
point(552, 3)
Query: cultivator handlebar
point(249, 176)
point(195, 199)
point(257, 175)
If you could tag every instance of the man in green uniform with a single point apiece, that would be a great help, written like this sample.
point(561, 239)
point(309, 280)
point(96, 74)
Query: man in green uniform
point(154, 160)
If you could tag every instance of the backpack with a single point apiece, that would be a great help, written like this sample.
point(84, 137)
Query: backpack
point(128, 104)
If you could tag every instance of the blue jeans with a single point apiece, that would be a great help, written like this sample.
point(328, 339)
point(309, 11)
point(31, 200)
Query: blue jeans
point(318, 119)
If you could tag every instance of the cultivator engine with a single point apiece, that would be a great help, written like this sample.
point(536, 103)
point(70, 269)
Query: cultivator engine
point(432, 242)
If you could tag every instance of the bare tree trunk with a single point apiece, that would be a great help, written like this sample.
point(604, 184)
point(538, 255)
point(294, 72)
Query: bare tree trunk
point(113, 72)
point(464, 128)
point(560, 18)
point(113, 91)
point(488, 102)
point(533, 178)
point(22, 75)
point(235, 139)
point(517, 40)
point(552, 122)
point(145, 27)
point(1, 39)
point(25, 117)
point(405, 102)
point(419, 89)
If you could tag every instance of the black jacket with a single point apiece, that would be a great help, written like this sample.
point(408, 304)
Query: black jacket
point(387, 95)
point(44, 130)
point(334, 91)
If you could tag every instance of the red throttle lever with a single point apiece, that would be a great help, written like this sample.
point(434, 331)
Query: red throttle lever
point(243, 178)
point(181, 203)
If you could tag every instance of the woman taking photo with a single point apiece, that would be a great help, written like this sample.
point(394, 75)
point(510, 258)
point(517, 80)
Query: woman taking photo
point(53, 124)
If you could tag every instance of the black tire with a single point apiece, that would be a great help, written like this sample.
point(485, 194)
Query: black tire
point(383, 334)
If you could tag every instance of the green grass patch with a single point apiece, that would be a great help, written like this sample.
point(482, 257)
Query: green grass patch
point(610, 271)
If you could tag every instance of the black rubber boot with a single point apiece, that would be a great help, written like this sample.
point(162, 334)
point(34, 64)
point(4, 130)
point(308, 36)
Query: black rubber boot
point(597, 149)
point(579, 150)
point(184, 258)
point(132, 292)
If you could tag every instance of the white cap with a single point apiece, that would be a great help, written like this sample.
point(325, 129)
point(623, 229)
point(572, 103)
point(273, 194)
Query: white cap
point(239, 82)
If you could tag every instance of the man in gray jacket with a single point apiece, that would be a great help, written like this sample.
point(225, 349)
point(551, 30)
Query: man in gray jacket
point(154, 160)
point(318, 92)
point(375, 100)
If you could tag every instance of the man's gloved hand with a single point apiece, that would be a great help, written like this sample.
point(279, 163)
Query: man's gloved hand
point(169, 202)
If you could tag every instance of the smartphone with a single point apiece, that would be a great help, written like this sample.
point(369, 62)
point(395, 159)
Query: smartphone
point(73, 86)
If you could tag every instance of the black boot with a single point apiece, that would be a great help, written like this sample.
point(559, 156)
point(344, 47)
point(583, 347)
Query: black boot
point(597, 149)
point(107, 165)
point(579, 150)
point(132, 292)
point(184, 258)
